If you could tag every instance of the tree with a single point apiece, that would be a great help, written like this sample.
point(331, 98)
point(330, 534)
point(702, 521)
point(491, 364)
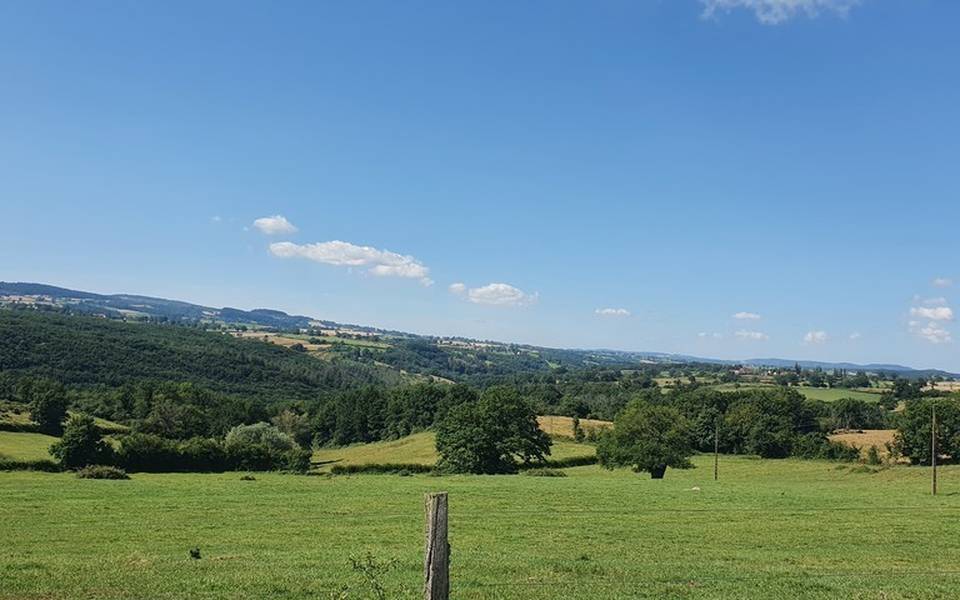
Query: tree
point(295, 425)
point(648, 438)
point(81, 444)
point(491, 435)
point(47, 402)
point(913, 431)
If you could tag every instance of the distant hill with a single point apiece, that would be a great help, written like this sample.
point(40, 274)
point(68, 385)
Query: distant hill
point(87, 352)
point(454, 358)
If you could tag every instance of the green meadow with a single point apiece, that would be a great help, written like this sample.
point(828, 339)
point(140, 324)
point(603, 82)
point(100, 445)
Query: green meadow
point(767, 529)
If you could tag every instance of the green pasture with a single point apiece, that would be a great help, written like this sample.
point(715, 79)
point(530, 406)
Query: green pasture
point(767, 529)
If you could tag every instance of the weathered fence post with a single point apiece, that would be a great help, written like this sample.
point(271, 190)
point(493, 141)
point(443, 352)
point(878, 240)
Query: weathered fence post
point(436, 562)
point(716, 450)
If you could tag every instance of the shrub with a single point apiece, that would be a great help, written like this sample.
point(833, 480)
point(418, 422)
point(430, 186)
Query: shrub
point(297, 460)
point(543, 472)
point(259, 434)
point(102, 472)
point(381, 469)
point(817, 446)
point(873, 456)
point(81, 444)
point(148, 452)
point(29, 465)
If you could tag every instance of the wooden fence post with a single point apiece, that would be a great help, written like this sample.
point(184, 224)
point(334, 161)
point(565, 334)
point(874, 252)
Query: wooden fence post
point(436, 562)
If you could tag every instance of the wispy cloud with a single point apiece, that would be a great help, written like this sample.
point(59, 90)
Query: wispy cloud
point(381, 263)
point(856, 335)
point(275, 225)
point(942, 282)
point(747, 316)
point(707, 334)
point(815, 337)
point(612, 312)
point(774, 12)
point(745, 334)
point(933, 332)
point(495, 294)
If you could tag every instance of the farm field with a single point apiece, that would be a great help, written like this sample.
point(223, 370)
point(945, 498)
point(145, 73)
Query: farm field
point(825, 394)
point(767, 529)
point(418, 448)
point(25, 446)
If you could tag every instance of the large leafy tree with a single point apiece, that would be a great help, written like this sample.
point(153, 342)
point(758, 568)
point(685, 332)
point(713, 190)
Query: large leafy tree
point(81, 444)
point(913, 430)
point(648, 437)
point(492, 435)
point(47, 401)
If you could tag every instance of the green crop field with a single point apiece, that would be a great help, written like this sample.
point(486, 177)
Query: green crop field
point(767, 529)
point(25, 446)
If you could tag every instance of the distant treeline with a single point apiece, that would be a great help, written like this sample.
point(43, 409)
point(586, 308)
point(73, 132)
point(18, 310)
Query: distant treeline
point(95, 353)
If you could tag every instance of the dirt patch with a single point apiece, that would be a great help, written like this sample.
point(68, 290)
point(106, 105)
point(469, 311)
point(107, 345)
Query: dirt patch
point(862, 439)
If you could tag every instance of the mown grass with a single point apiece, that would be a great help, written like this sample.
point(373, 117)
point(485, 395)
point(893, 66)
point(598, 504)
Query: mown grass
point(25, 446)
point(767, 529)
point(418, 448)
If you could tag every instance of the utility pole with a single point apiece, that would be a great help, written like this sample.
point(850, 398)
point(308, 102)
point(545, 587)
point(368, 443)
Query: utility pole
point(716, 450)
point(933, 445)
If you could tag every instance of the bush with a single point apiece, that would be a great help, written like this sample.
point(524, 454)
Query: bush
point(817, 446)
point(259, 434)
point(81, 444)
point(29, 465)
point(873, 456)
point(148, 452)
point(297, 460)
point(543, 472)
point(381, 469)
point(102, 472)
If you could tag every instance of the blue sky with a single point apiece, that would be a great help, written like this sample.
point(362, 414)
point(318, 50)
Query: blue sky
point(681, 163)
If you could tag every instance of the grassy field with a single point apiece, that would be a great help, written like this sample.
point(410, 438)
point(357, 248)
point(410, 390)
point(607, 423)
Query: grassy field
point(767, 529)
point(825, 394)
point(418, 448)
point(25, 446)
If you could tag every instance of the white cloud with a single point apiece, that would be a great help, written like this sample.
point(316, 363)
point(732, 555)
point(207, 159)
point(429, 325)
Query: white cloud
point(815, 337)
point(216, 219)
point(774, 12)
point(714, 335)
point(933, 313)
point(747, 316)
point(940, 301)
point(496, 294)
point(942, 282)
point(856, 335)
point(933, 332)
point(612, 312)
point(277, 224)
point(381, 263)
point(744, 334)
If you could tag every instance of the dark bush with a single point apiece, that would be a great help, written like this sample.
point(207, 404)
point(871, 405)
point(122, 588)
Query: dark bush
point(543, 472)
point(381, 469)
point(81, 444)
point(102, 472)
point(29, 465)
point(817, 446)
